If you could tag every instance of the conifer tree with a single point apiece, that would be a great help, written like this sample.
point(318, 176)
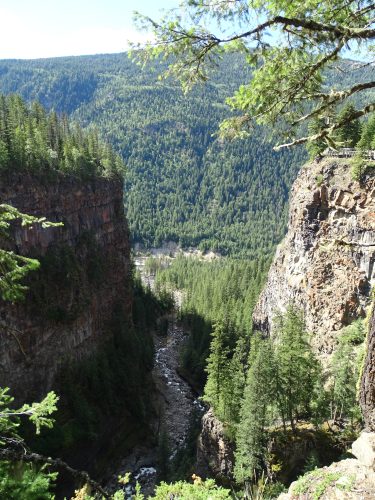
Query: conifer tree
point(316, 148)
point(345, 371)
point(217, 371)
point(367, 140)
point(297, 367)
point(350, 132)
point(234, 386)
point(256, 406)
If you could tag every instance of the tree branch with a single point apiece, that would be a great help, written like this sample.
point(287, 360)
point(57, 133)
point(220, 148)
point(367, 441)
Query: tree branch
point(25, 456)
point(326, 132)
point(311, 71)
point(307, 24)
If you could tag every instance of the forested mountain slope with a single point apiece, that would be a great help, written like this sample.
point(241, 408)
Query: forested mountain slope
point(183, 183)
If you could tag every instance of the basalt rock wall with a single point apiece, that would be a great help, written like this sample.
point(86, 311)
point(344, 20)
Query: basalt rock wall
point(84, 276)
point(325, 264)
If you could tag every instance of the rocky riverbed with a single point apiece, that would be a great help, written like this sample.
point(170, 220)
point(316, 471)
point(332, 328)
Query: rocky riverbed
point(175, 400)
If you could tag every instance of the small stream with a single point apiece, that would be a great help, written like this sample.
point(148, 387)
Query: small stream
point(175, 400)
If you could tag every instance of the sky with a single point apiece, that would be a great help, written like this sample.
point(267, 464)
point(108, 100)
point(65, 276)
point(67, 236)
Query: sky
point(49, 28)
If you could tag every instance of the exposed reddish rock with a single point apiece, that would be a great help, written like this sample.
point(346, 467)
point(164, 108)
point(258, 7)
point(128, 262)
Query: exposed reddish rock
point(34, 347)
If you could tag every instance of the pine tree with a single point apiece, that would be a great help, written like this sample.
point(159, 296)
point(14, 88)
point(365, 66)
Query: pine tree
point(367, 140)
point(316, 148)
point(256, 406)
point(217, 372)
point(297, 367)
point(349, 134)
point(234, 386)
point(344, 386)
point(345, 371)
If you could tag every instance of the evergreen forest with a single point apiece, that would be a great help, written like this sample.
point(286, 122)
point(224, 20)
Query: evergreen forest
point(182, 182)
point(103, 116)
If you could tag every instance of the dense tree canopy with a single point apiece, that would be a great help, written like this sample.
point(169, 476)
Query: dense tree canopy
point(32, 139)
point(182, 182)
point(288, 44)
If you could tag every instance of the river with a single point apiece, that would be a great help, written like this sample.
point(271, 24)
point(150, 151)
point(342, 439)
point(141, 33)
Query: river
point(175, 399)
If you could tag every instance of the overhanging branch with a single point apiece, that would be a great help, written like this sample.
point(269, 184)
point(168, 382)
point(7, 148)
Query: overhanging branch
point(329, 130)
point(25, 456)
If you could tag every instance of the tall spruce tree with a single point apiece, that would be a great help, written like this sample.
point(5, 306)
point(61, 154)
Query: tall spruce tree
point(350, 132)
point(346, 365)
point(367, 140)
point(234, 386)
point(256, 408)
point(218, 369)
point(297, 367)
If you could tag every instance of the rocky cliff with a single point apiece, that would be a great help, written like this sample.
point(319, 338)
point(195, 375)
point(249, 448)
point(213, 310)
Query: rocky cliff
point(215, 453)
point(367, 389)
point(84, 275)
point(325, 265)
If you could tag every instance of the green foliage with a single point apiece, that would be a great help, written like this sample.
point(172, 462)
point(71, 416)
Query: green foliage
point(287, 87)
point(25, 482)
point(225, 292)
point(354, 334)
point(33, 140)
point(63, 271)
point(319, 180)
point(256, 411)
point(218, 372)
point(315, 148)
point(346, 371)
point(273, 490)
point(225, 377)
point(199, 490)
point(104, 386)
point(297, 368)
point(283, 383)
point(37, 413)
point(182, 182)
point(349, 134)
point(367, 140)
point(365, 143)
point(18, 480)
point(358, 168)
point(312, 462)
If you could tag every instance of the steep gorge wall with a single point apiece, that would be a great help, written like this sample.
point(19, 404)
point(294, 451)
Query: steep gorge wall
point(84, 276)
point(367, 389)
point(325, 265)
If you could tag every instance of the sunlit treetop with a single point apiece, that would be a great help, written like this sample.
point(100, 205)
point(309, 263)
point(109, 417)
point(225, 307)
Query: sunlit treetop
point(289, 45)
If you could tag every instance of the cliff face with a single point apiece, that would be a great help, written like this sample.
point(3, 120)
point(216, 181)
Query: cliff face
point(367, 391)
point(84, 275)
point(325, 265)
point(215, 453)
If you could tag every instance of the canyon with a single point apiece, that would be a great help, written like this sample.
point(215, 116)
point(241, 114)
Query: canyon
point(325, 265)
